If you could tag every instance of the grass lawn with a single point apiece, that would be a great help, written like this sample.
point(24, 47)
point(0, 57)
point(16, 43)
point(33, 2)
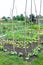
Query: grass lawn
point(6, 59)
point(38, 61)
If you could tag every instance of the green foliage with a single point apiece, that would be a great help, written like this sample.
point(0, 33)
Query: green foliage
point(6, 59)
point(14, 18)
point(19, 18)
point(38, 61)
point(13, 53)
point(28, 56)
point(36, 50)
point(19, 32)
point(1, 48)
point(35, 26)
point(32, 18)
point(20, 54)
point(4, 18)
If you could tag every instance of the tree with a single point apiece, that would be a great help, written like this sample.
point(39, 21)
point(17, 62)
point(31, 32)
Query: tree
point(4, 18)
point(18, 17)
point(8, 18)
point(32, 18)
point(14, 18)
point(21, 17)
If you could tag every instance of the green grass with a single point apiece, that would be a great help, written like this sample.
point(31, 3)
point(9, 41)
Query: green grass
point(38, 61)
point(6, 59)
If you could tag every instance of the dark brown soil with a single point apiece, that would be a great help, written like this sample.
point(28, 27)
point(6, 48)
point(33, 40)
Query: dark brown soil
point(32, 58)
point(9, 47)
point(29, 50)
